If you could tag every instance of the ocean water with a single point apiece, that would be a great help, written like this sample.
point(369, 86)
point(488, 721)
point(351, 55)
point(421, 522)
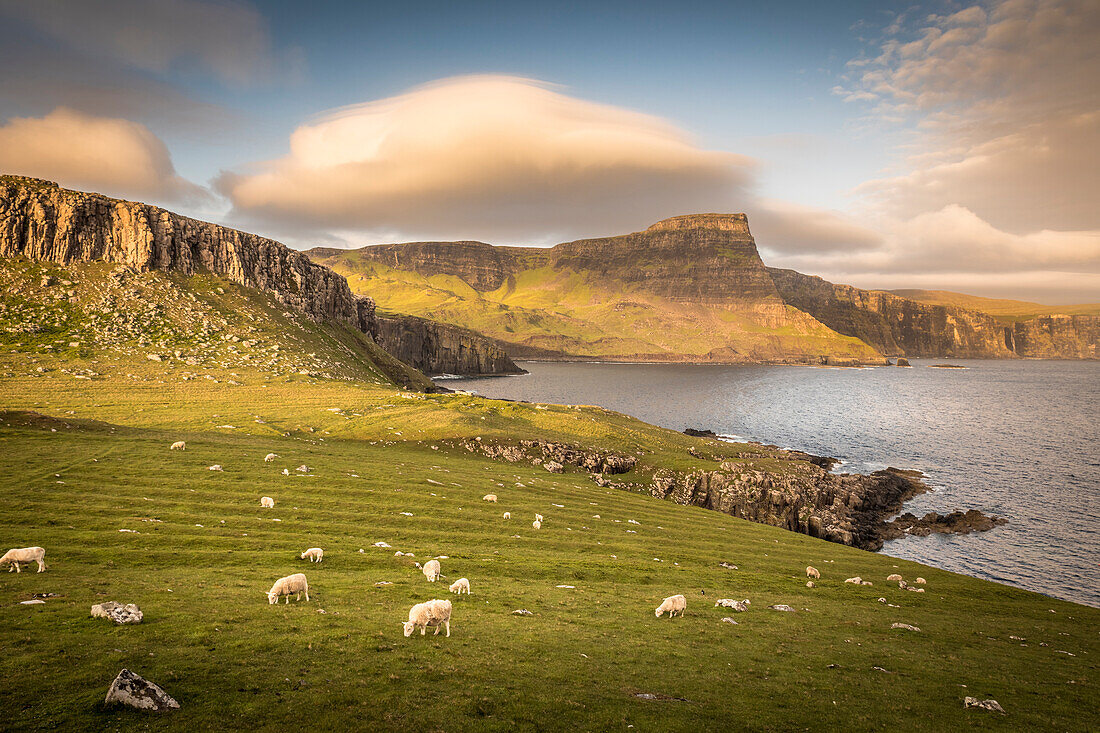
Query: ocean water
point(1015, 439)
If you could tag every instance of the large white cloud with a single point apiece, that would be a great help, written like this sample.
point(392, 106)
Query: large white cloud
point(110, 155)
point(488, 157)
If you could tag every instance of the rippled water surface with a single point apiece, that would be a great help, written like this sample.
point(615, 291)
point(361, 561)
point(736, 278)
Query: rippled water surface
point(1016, 439)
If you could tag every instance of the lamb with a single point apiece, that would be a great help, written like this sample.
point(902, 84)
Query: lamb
point(24, 555)
point(894, 576)
point(507, 515)
point(431, 570)
point(812, 572)
point(537, 524)
point(287, 586)
point(490, 497)
point(672, 604)
point(267, 502)
point(429, 613)
point(313, 554)
point(178, 445)
point(270, 457)
point(460, 586)
point(538, 517)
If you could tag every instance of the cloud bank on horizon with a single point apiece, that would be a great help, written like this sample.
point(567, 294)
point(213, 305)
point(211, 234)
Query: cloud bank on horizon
point(992, 190)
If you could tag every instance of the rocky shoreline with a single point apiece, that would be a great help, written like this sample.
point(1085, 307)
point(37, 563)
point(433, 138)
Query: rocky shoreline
point(805, 497)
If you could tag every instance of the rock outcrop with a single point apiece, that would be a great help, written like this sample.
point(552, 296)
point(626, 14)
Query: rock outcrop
point(437, 348)
point(120, 613)
point(936, 523)
point(1056, 337)
point(41, 221)
point(135, 691)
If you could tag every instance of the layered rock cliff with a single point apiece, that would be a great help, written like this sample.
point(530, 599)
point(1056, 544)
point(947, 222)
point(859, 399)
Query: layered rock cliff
point(687, 289)
point(1056, 337)
point(41, 221)
point(892, 324)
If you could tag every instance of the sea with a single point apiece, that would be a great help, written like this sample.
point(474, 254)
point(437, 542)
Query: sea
point(1015, 439)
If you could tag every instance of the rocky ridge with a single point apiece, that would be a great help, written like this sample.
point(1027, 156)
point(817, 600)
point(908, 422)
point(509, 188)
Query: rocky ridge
point(43, 222)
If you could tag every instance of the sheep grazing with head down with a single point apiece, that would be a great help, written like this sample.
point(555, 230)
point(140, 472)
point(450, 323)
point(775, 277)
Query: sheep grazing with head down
point(490, 497)
point(672, 604)
point(507, 515)
point(537, 524)
point(429, 613)
point(893, 577)
point(538, 517)
point(431, 570)
point(178, 445)
point(921, 581)
point(812, 572)
point(313, 554)
point(270, 457)
point(460, 586)
point(25, 555)
point(288, 586)
point(267, 502)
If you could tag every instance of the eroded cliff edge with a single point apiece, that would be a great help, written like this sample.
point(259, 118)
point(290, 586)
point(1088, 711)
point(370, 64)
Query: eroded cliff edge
point(41, 221)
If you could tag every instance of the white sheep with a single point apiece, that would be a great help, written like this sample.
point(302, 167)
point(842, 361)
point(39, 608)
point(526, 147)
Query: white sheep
point(215, 467)
point(267, 502)
point(507, 515)
point(812, 572)
point(270, 457)
point(855, 581)
point(460, 586)
point(314, 554)
point(490, 497)
point(429, 613)
point(178, 445)
point(288, 586)
point(24, 555)
point(921, 581)
point(893, 577)
point(431, 570)
point(538, 517)
point(672, 604)
point(537, 524)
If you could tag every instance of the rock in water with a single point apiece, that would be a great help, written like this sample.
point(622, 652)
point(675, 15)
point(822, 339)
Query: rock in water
point(120, 613)
point(903, 362)
point(991, 705)
point(139, 693)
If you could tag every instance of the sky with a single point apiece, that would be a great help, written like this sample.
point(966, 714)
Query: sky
point(941, 145)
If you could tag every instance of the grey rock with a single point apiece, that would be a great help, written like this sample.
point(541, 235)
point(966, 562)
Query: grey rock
point(991, 705)
point(120, 613)
point(137, 692)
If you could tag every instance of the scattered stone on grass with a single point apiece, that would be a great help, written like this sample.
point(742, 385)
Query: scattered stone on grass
point(904, 626)
point(781, 607)
point(120, 613)
point(32, 602)
point(522, 612)
point(990, 705)
point(728, 620)
point(139, 693)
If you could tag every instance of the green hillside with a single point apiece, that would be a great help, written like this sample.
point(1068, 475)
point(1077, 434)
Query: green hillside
point(1006, 311)
point(547, 312)
point(85, 431)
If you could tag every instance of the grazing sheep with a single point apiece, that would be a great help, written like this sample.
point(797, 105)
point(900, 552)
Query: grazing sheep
point(740, 606)
point(270, 457)
point(215, 467)
point(538, 517)
point(920, 581)
point(672, 604)
point(811, 584)
point(507, 515)
point(894, 576)
point(288, 586)
point(24, 555)
point(537, 524)
point(178, 445)
point(812, 572)
point(856, 580)
point(490, 497)
point(314, 554)
point(431, 570)
point(267, 502)
point(429, 613)
point(902, 584)
point(460, 586)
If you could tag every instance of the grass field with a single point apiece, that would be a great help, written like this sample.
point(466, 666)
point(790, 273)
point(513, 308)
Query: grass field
point(1005, 311)
point(84, 436)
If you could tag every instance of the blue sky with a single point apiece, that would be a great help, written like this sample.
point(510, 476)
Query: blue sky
point(938, 144)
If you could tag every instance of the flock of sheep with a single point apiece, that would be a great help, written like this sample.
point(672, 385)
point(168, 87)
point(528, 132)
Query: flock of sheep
point(434, 613)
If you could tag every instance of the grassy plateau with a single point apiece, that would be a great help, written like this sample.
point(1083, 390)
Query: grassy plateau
point(84, 454)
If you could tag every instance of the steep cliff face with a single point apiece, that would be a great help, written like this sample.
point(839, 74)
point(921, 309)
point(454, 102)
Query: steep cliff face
point(437, 348)
point(687, 289)
point(1057, 337)
point(892, 324)
point(41, 221)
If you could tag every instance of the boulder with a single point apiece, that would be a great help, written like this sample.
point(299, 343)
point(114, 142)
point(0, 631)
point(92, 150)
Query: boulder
point(781, 607)
point(553, 467)
point(120, 613)
point(991, 705)
point(139, 693)
point(904, 626)
point(903, 362)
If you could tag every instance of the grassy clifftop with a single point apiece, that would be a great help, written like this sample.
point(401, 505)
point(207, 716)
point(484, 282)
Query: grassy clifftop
point(1005, 311)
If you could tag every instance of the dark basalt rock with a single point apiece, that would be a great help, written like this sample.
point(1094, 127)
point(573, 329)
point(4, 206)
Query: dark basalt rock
point(696, 433)
point(903, 362)
point(956, 522)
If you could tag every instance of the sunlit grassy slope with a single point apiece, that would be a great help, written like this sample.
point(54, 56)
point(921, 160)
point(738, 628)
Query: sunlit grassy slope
point(84, 436)
point(547, 312)
point(1006, 311)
